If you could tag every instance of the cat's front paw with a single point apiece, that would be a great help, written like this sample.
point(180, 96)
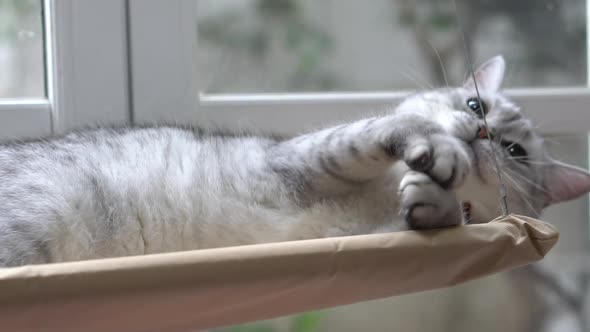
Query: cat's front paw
point(425, 204)
point(445, 158)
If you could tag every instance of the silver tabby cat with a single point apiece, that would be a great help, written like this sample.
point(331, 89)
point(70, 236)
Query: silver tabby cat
point(116, 192)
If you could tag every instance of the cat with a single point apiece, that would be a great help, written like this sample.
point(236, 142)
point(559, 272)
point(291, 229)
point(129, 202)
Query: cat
point(110, 192)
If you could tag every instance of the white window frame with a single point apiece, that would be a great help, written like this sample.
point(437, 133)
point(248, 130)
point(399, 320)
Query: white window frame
point(86, 71)
point(172, 94)
point(163, 74)
point(110, 62)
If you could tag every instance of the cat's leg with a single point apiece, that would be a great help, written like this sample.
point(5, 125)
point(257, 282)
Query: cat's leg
point(340, 158)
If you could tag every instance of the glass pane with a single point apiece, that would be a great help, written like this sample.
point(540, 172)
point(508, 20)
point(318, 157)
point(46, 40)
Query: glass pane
point(21, 49)
point(550, 296)
point(253, 46)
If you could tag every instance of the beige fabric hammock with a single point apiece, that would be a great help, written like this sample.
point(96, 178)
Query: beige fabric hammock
point(188, 291)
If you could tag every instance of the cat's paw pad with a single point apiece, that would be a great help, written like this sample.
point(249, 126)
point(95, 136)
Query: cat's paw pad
point(425, 204)
point(445, 158)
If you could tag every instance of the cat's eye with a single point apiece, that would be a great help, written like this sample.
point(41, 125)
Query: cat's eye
point(479, 108)
point(515, 151)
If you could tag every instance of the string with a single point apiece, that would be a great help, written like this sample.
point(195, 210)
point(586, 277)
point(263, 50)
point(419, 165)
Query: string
point(503, 192)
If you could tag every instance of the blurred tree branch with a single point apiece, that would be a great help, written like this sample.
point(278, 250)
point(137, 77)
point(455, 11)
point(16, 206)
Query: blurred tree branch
point(425, 20)
point(550, 32)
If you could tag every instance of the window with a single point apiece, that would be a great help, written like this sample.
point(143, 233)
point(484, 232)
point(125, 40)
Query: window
point(64, 64)
point(288, 66)
point(317, 46)
point(23, 109)
point(21, 50)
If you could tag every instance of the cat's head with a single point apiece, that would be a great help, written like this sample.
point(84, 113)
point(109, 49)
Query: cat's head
point(532, 178)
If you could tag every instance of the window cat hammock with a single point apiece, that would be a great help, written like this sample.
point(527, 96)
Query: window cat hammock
point(217, 287)
point(189, 291)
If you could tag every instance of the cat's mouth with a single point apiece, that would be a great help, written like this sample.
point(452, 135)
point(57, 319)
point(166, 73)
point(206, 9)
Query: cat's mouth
point(466, 207)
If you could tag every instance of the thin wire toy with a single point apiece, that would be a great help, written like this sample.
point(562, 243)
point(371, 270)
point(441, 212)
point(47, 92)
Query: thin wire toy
point(503, 192)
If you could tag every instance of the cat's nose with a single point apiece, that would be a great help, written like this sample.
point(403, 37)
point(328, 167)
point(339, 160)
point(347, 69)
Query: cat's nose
point(483, 133)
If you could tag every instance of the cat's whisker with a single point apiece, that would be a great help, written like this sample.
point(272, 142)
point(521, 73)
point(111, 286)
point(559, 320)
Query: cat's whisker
point(513, 174)
point(528, 181)
point(515, 184)
point(523, 193)
point(423, 85)
point(530, 205)
point(519, 158)
point(532, 162)
point(442, 66)
point(552, 141)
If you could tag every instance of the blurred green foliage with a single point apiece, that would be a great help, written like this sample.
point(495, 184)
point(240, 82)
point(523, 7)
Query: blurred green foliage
point(307, 44)
point(278, 8)
point(529, 19)
point(306, 322)
point(290, 32)
point(14, 15)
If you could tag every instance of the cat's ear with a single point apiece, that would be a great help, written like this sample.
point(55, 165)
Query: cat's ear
point(488, 76)
point(564, 182)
